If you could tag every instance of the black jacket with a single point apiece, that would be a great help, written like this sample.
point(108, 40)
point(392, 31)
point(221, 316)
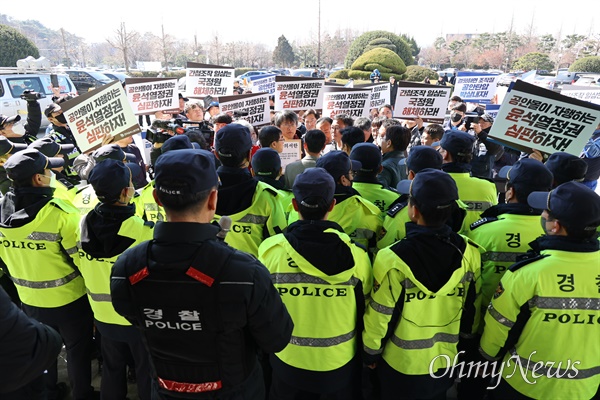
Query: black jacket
point(242, 297)
point(27, 347)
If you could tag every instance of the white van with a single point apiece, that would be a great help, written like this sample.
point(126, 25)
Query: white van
point(13, 83)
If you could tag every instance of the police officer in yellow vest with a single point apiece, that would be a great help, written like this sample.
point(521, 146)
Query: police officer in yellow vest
point(394, 229)
point(145, 204)
point(323, 280)
point(39, 234)
point(365, 179)
point(107, 231)
point(478, 193)
point(545, 315)
point(505, 231)
point(64, 188)
point(359, 218)
point(266, 167)
point(425, 292)
point(254, 207)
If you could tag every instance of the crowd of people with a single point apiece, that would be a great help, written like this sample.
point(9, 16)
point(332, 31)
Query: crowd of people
point(395, 260)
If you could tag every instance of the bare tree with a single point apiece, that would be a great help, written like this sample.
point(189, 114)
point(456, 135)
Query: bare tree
point(123, 41)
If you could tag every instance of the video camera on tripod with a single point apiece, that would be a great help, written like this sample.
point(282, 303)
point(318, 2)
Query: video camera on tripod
point(161, 130)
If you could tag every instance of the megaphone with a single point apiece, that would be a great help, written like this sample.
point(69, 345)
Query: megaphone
point(23, 63)
point(33, 63)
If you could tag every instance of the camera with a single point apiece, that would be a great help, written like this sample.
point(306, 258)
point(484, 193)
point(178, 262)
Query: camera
point(30, 95)
point(203, 128)
point(471, 118)
point(157, 133)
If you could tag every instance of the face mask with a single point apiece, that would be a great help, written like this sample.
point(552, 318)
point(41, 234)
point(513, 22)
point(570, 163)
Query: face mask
point(18, 129)
point(455, 117)
point(543, 222)
point(61, 118)
point(51, 180)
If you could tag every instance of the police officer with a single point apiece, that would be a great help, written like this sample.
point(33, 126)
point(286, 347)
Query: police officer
point(254, 207)
point(64, 188)
point(505, 231)
point(359, 218)
point(324, 282)
point(544, 316)
point(566, 167)
point(145, 203)
point(266, 167)
point(105, 233)
point(7, 148)
point(478, 193)
point(365, 179)
point(39, 249)
point(394, 229)
point(27, 348)
point(425, 289)
point(217, 305)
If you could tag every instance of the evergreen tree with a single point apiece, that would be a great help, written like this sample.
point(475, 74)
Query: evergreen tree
point(283, 54)
point(14, 46)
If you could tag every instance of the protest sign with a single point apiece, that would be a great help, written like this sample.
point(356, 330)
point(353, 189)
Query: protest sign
point(255, 104)
point(103, 111)
point(492, 110)
point(262, 83)
point(208, 79)
point(380, 94)
point(292, 151)
point(298, 93)
point(476, 87)
point(585, 93)
point(420, 100)
point(148, 95)
point(350, 101)
point(534, 118)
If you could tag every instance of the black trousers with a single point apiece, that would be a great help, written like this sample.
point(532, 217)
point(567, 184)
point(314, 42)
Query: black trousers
point(74, 324)
point(117, 342)
point(282, 391)
point(506, 392)
point(397, 386)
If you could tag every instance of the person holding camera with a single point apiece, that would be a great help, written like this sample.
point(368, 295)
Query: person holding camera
point(11, 127)
point(486, 152)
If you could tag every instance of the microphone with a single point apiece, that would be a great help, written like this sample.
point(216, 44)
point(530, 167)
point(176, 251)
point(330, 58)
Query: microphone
point(225, 224)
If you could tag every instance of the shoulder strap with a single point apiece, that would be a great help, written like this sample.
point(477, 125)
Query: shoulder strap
point(482, 221)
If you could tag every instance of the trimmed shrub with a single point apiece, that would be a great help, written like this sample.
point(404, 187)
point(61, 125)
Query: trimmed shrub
point(384, 43)
point(586, 64)
point(358, 46)
point(341, 74)
point(415, 73)
point(386, 61)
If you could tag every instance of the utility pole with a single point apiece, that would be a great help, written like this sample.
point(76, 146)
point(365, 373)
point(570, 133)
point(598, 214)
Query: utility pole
point(64, 42)
point(319, 38)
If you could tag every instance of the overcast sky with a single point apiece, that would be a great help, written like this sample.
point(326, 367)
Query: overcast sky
point(239, 20)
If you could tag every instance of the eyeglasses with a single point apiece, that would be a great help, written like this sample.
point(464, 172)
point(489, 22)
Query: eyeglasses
point(335, 128)
point(288, 125)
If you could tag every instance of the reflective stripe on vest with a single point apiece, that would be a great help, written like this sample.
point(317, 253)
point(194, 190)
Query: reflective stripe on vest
point(371, 351)
point(557, 373)
point(499, 317)
point(253, 219)
point(500, 256)
point(565, 303)
point(484, 205)
point(45, 236)
point(45, 284)
point(99, 296)
point(380, 308)
point(322, 342)
point(305, 278)
point(424, 343)
point(183, 387)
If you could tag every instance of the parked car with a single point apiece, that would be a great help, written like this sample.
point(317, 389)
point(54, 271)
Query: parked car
point(568, 78)
point(12, 85)
point(116, 75)
point(509, 77)
point(251, 73)
point(280, 71)
point(588, 80)
point(87, 80)
point(307, 72)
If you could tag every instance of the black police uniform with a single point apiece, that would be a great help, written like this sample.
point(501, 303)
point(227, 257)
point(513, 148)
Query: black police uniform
point(215, 308)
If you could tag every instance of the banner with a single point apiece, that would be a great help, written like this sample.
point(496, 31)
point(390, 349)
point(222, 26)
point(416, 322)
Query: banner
point(429, 102)
point(148, 95)
point(255, 104)
point(103, 111)
point(380, 94)
point(492, 110)
point(585, 93)
point(296, 93)
point(207, 79)
point(351, 101)
point(541, 119)
point(263, 83)
point(292, 151)
point(476, 87)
